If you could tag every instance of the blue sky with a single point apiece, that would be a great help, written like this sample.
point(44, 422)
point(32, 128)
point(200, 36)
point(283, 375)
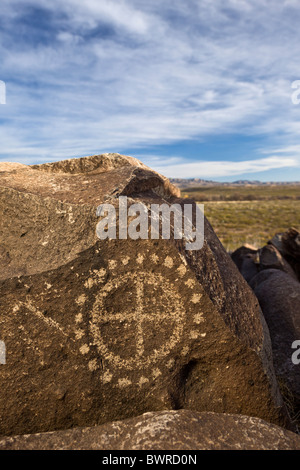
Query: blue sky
point(192, 88)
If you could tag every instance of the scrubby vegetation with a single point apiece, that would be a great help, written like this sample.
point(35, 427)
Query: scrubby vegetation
point(238, 218)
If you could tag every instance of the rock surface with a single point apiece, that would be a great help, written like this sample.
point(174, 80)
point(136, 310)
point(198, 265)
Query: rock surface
point(279, 297)
point(245, 258)
point(242, 252)
point(288, 244)
point(165, 430)
point(277, 288)
point(48, 210)
point(99, 330)
point(270, 258)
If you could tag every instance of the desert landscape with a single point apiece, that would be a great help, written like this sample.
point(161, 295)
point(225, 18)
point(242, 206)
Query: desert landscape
point(247, 213)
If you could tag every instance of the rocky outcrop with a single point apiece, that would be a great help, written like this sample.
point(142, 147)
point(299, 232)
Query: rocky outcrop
point(250, 260)
point(165, 430)
point(270, 258)
point(245, 258)
point(279, 298)
point(100, 330)
point(288, 244)
point(49, 210)
point(277, 288)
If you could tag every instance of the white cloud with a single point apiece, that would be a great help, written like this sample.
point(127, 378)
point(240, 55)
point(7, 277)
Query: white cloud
point(220, 169)
point(164, 72)
point(118, 13)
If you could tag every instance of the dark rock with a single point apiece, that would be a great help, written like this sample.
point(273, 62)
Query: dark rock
point(291, 247)
point(291, 243)
point(279, 298)
point(277, 242)
point(288, 244)
point(246, 258)
point(249, 268)
point(270, 258)
point(239, 254)
point(262, 276)
point(98, 330)
point(165, 430)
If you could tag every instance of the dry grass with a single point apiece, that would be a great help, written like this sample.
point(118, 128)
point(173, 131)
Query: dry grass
point(245, 193)
point(255, 222)
point(237, 221)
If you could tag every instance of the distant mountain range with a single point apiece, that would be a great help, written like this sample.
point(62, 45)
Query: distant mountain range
point(194, 182)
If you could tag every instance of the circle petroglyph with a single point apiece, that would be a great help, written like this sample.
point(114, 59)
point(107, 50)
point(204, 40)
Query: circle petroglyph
point(146, 325)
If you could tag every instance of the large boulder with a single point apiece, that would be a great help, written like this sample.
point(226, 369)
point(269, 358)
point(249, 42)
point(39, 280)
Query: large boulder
point(288, 243)
point(48, 211)
point(164, 430)
point(279, 297)
point(99, 330)
point(291, 243)
point(270, 258)
point(246, 259)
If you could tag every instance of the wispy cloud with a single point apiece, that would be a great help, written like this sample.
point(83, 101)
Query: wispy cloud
point(99, 75)
point(221, 169)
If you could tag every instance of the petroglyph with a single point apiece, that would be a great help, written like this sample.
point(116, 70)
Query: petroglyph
point(181, 270)
point(168, 262)
point(47, 320)
point(140, 259)
point(111, 336)
point(124, 383)
point(190, 283)
point(81, 300)
point(196, 298)
point(112, 264)
point(198, 318)
point(140, 314)
point(140, 334)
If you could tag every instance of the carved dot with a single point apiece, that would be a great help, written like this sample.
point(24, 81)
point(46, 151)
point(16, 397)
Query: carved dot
point(156, 373)
point(181, 270)
point(194, 334)
point(78, 318)
point(196, 298)
point(93, 365)
point(81, 300)
point(170, 363)
point(168, 262)
point(140, 258)
point(154, 258)
point(112, 264)
point(198, 318)
point(124, 383)
point(100, 273)
point(143, 380)
point(89, 283)
point(107, 376)
point(190, 283)
point(79, 334)
point(84, 349)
